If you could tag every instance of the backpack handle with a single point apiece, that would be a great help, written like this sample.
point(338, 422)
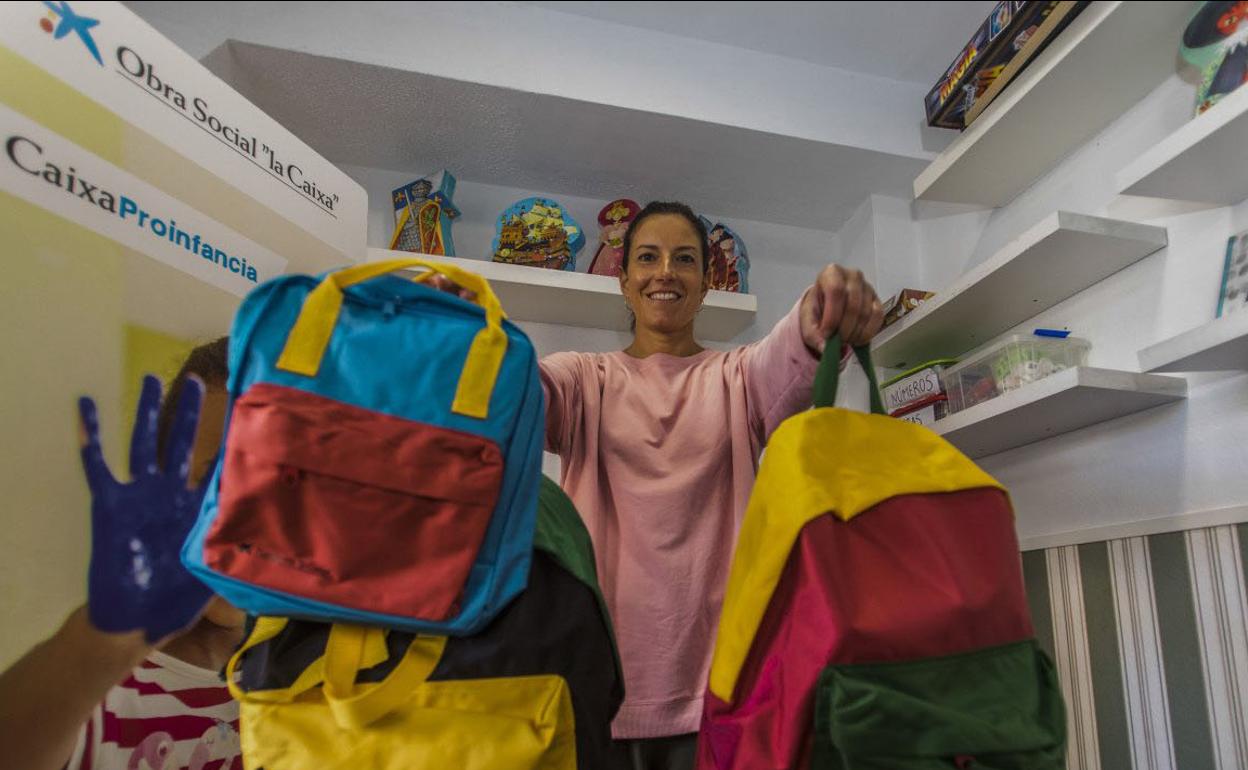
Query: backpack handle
point(349, 650)
point(827, 377)
point(345, 657)
point(308, 338)
point(265, 629)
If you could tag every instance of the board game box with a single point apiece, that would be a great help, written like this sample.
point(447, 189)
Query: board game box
point(1022, 49)
point(1001, 37)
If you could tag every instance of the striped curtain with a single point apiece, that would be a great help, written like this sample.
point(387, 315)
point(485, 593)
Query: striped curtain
point(1150, 636)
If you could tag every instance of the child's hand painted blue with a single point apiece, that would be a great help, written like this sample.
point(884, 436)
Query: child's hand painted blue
point(136, 580)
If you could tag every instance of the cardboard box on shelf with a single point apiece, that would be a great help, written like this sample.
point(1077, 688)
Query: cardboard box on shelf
point(989, 54)
point(1027, 45)
point(901, 303)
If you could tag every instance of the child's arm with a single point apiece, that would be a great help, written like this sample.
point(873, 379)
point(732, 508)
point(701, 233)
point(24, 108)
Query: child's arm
point(138, 592)
point(47, 696)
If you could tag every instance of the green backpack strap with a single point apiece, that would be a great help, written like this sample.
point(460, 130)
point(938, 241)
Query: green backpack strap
point(561, 533)
point(828, 375)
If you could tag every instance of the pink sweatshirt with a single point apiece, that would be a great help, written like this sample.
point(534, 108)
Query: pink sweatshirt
point(659, 455)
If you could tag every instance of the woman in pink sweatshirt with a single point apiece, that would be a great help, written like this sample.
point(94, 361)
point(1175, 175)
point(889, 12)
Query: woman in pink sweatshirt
point(660, 444)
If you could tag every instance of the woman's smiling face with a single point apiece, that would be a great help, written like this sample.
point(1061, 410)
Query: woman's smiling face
point(665, 282)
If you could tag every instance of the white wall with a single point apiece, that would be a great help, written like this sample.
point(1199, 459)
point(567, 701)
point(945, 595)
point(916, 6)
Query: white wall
point(881, 239)
point(62, 309)
point(897, 246)
point(857, 238)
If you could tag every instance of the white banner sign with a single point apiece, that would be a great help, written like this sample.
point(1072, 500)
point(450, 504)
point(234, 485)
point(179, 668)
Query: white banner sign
point(55, 174)
point(113, 57)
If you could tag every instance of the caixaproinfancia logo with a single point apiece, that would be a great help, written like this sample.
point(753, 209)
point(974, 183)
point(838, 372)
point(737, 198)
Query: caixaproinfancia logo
point(29, 157)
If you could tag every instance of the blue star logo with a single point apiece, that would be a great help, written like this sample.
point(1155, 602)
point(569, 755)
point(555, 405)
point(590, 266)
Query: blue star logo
point(72, 22)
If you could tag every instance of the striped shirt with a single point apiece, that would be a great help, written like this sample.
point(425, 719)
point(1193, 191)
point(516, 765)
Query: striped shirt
point(167, 715)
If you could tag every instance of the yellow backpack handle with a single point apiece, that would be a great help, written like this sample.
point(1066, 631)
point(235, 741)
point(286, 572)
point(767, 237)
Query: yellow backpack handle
point(305, 346)
point(349, 650)
point(345, 656)
point(267, 628)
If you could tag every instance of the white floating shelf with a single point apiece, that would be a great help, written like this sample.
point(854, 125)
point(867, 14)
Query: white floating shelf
point(1059, 257)
point(1109, 57)
point(1215, 347)
point(1202, 161)
point(581, 299)
point(1060, 403)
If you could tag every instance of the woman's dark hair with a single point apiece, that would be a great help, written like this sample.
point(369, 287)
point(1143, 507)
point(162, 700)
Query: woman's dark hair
point(210, 363)
point(654, 208)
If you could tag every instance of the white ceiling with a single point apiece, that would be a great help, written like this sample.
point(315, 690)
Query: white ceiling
point(377, 117)
point(908, 41)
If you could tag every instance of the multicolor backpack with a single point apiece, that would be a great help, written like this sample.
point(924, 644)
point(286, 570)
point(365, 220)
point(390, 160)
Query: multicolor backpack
point(538, 232)
point(614, 220)
point(558, 627)
point(381, 454)
point(875, 615)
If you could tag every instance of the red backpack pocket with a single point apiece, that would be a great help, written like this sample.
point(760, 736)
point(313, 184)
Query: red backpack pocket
point(348, 506)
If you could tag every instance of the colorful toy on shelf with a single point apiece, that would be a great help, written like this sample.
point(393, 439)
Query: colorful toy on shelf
point(1233, 298)
point(422, 215)
point(538, 232)
point(614, 219)
point(1216, 41)
point(730, 261)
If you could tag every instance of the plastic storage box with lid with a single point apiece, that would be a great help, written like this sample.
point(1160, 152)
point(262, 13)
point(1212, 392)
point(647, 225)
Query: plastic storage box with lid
point(1008, 364)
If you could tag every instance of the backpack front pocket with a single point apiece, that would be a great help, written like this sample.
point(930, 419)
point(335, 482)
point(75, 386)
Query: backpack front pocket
point(344, 505)
point(993, 709)
point(519, 723)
